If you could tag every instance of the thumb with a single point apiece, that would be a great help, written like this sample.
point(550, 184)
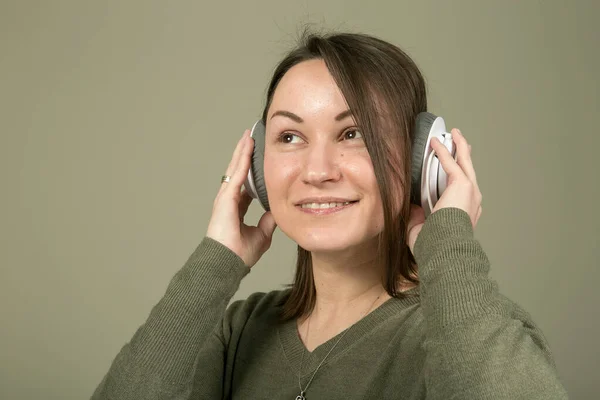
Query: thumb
point(267, 225)
point(415, 224)
point(413, 234)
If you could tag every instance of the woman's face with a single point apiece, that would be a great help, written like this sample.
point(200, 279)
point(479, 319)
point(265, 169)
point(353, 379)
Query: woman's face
point(319, 176)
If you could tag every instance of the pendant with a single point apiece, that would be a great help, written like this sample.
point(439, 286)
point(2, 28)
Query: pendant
point(301, 396)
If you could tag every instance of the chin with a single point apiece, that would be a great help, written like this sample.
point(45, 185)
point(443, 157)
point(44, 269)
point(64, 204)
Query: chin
point(321, 240)
point(316, 246)
point(329, 234)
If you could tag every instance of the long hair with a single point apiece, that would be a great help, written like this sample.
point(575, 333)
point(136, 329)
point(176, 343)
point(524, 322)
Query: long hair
point(385, 91)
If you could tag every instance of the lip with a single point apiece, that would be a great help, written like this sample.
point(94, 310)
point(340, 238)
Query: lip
point(324, 199)
point(325, 211)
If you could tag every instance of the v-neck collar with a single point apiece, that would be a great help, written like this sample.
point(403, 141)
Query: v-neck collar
point(294, 348)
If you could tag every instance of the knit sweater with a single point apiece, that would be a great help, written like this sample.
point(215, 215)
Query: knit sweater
point(454, 337)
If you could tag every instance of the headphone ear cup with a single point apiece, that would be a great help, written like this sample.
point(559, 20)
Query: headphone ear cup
point(442, 178)
point(257, 172)
point(422, 128)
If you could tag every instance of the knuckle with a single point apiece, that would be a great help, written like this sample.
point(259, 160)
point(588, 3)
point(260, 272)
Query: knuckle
point(468, 184)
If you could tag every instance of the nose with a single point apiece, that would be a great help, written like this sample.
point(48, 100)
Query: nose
point(321, 164)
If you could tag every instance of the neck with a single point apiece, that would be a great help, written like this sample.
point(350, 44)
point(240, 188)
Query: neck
point(346, 284)
point(346, 292)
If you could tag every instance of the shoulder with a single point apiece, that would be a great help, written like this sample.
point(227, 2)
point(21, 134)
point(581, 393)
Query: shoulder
point(259, 305)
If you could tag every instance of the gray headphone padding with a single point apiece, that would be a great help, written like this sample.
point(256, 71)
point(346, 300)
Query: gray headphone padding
point(257, 165)
point(423, 125)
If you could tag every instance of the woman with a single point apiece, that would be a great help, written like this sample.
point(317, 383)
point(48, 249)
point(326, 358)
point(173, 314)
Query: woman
point(363, 319)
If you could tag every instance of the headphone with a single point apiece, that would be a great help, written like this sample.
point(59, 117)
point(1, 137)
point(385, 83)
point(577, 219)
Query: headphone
point(428, 178)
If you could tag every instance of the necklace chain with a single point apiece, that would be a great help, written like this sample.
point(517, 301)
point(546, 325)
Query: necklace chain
point(303, 391)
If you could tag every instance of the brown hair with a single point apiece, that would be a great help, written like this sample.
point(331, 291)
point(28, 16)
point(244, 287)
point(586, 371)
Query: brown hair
point(385, 91)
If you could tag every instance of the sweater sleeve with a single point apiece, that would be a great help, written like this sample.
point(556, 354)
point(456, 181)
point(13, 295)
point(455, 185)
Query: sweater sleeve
point(177, 348)
point(479, 344)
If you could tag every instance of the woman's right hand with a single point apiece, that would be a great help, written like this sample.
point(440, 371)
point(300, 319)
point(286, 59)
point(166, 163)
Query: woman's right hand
point(226, 224)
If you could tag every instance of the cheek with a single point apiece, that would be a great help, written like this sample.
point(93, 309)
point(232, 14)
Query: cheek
point(280, 172)
point(359, 169)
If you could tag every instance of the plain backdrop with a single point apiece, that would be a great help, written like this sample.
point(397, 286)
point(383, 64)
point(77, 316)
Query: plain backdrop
point(117, 119)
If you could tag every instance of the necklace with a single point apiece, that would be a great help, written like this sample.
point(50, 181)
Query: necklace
point(303, 391)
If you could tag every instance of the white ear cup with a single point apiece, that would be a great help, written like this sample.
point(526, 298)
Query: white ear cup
point(442, 176)
point(250, 181)
point(433, 177)
point(255, 181)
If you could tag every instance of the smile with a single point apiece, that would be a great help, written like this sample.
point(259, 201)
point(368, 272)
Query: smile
point(324, 205)
point(325, 208)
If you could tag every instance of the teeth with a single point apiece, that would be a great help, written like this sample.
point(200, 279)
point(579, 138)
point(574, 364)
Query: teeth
point(324, 205)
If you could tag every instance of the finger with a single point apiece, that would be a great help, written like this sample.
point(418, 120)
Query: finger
point(417, 216)
point(446, 159)
point(236, 154)
point(463, 150)
point(245, 201)
point(235, 159)
point(241, 170)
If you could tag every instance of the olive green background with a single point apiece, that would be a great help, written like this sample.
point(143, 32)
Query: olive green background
point(117, 119)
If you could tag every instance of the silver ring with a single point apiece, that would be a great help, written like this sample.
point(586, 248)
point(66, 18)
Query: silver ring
point(225, 178)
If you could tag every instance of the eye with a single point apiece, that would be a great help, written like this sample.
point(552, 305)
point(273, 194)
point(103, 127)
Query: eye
point(287, 137)
point(352, 134)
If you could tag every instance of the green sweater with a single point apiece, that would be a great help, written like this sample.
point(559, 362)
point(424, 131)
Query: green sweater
point(459, 338)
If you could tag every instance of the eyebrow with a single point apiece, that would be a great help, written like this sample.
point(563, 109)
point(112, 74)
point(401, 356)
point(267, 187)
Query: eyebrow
point(295, 118)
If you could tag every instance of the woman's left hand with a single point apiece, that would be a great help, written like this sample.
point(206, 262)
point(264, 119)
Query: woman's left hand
point(462, 190)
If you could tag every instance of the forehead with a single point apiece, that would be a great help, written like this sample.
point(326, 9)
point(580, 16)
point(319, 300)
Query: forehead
point(309, 87)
